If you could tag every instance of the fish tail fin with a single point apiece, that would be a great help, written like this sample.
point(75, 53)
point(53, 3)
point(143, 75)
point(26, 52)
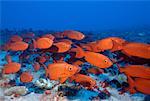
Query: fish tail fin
point(80, 50)
point(116, 46)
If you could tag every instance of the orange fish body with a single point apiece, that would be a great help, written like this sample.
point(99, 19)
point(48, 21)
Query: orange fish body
point(97, 59)
point(137, 49)
point(136, 71)
point(50, 36)
point(93, 58)
point(117, 40)
point(142, 85)
point(26, 77)
point(86, 47)
point(105, 44)
point(62, 47)
point(16, 38)
point(139, 84)
point(44, 43)
point(60, 71)
point(95, 71)
point(83, 80)
point(12, 67)
point(66, 41)
point(94, 47)
point(74, 34)
point(78, 63)
point(18, 46)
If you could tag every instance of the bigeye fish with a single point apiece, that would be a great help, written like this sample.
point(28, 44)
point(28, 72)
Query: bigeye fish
point(60, 71)
point(140, 50)
point(136, 71)
point(76, 35)
point(84, 80)
point(93, 58)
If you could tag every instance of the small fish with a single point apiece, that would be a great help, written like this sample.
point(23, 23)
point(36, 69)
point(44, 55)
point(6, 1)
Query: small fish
point(95, 71)
point(104, 44)
point(50, 36)
point(98, 60)
point(62, 47)
point(18, 46)
point(16, 38)
point(44, 43)
point(136, 71)
point(134, 49)
point(60, 71)
point(93, 58)
point(84, 80)
point(78, 63)
point(26, 77)
point(142, 85)
point(66, 41)
point(74, 34)
point(139, 84)
point(11, 68)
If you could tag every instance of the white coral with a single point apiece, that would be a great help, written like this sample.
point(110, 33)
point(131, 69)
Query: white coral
point(20, 90)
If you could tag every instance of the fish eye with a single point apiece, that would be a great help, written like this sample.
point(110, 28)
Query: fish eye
point(70, 68)
point(105, 61)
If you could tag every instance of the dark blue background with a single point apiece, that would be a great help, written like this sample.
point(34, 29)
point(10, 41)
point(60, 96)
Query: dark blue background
point(78, 15)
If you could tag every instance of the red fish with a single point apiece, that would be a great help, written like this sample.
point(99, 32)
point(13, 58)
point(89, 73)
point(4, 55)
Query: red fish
point(18, 46)
point(134, 49)
point(136, 71)
point(78, 63)
point(16, 38)
point(44, 43)
point(66, 41)
point(95, 71)
point(74, 34)
point(11, 68)
point(26, 77)
point(104, 44)
point(60, 71)
point(50, 36)
point(139, 84)
point(62, 47)
point(93, 58)
point(84, 80)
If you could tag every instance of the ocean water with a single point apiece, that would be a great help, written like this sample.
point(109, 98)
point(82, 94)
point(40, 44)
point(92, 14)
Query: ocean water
point(96, 19)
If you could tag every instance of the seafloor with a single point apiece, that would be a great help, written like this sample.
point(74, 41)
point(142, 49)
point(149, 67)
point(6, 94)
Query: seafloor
point(67, 92)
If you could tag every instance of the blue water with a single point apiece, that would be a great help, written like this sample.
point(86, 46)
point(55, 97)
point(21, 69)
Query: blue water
point(87, 15)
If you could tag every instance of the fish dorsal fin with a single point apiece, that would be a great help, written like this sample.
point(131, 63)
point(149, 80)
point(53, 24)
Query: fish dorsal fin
point(80, 50)
point(116, 46)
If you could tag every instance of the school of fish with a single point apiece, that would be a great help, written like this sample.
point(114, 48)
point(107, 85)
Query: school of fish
point(57, 45)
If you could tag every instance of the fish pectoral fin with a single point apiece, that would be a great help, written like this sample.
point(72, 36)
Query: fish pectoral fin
point(62, 79)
